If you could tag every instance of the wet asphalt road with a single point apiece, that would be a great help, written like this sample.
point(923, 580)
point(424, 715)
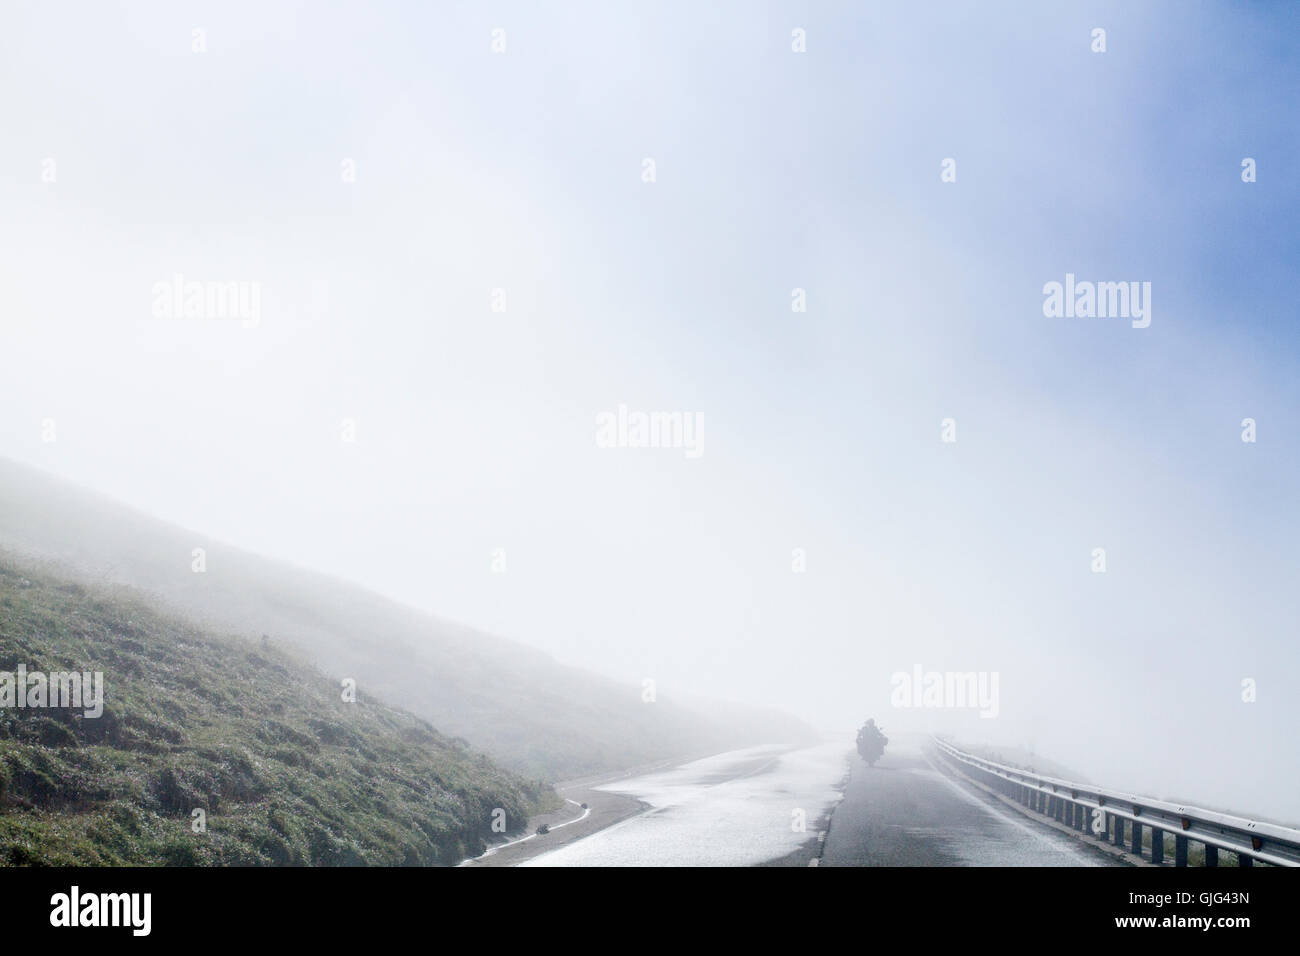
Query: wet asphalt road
point(904, 812)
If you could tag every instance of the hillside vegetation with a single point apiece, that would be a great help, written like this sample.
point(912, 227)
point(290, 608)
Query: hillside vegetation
point(519, 705)
point(285, 770)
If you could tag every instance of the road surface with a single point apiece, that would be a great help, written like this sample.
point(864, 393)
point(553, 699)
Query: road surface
point(571, 823)
point(604, 808)
point(741, 808)
point(905, 811)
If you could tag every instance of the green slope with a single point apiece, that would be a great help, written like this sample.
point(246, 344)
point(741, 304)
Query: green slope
point(285, 770)
point(528, 711)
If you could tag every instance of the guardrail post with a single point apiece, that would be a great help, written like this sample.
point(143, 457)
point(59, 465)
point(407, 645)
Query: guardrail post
point(1180, 850)
point(1117, 829)
point(1243, 860)
point(1211, 855)
point(1157, 845)
point(1137, 837)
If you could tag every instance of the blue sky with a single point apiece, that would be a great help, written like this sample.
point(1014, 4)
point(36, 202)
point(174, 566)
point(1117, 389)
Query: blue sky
point(775, 170)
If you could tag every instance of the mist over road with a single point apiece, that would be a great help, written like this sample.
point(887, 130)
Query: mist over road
point(770, 805)
point(906, 812)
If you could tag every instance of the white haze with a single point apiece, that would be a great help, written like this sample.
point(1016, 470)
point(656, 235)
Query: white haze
point(476, 430)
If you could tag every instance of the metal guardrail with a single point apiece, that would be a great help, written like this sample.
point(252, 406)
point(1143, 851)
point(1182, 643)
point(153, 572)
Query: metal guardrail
point(1102, 813)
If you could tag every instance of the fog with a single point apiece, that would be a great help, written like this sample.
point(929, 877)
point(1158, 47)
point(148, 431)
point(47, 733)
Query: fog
point(455, 261)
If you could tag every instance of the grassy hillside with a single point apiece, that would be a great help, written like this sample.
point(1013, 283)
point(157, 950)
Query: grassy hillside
point(522, 707)
point(286, 771)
